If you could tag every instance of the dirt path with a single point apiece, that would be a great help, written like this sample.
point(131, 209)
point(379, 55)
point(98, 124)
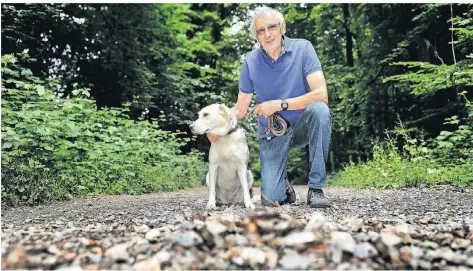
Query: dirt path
point(58, 235)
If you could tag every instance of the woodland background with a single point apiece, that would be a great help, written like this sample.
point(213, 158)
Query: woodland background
point(97, 98)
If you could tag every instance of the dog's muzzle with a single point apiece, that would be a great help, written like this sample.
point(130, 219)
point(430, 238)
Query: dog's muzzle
point(192, 128)
point(195, 131)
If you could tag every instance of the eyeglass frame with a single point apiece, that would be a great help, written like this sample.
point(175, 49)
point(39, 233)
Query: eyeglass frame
point(264, 29)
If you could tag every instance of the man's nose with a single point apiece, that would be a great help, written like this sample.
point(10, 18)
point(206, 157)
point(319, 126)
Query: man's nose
point(267, 33)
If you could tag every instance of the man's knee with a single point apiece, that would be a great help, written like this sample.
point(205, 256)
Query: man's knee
point(320, 111)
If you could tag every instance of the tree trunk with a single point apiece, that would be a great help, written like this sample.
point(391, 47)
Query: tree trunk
point(348, 35)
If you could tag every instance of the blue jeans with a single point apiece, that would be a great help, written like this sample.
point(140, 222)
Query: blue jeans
point(314, 128)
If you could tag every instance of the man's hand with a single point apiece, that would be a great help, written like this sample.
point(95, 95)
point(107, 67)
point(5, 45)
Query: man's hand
point(237, 113)
point(267, 108)
point(213, 138)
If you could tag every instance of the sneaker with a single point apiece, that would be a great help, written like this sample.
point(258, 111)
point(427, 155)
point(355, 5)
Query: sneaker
point(290, 197)
point(290, 194)
point(316, 199)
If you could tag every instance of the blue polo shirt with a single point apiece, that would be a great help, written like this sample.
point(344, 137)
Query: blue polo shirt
point(281, 79)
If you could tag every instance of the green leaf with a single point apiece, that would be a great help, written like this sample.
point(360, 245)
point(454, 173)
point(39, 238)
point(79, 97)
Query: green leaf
point(7, 144)
point(26, 72)
point(130, 173)
point(48, 147)
point(40, 90)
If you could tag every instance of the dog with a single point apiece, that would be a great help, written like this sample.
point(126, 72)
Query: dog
point(229, 180)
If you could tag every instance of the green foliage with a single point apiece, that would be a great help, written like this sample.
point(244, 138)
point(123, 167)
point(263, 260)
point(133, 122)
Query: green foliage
point(430, 78)
point(456, 147)
point(388, 169)
point(463, 30)
point(379, 61)
point(454, 144)
point(55, 148)
point(412, 166)
point(448, 158)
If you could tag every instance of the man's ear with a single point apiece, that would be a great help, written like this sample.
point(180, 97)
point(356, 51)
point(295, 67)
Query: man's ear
point(283, 27)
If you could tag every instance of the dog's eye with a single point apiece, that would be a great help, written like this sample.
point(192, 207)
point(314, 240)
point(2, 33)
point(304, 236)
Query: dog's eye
point(205, 114)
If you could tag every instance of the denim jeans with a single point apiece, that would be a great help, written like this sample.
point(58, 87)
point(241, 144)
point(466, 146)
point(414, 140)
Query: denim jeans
point(314, 128)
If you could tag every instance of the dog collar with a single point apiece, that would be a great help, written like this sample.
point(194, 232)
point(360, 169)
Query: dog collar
point(233, 130)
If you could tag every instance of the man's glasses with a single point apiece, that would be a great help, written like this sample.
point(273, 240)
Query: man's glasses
point(271, 28)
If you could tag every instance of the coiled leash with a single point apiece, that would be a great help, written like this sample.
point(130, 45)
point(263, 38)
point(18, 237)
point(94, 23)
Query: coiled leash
point(276, 125)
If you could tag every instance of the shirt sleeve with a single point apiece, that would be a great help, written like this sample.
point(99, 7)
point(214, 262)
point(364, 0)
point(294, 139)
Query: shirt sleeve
point(245, 85)
point(311, 61)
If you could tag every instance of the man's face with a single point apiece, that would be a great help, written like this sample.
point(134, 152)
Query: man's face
point(268, 31)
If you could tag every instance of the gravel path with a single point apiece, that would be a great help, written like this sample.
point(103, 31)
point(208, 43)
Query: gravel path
point(422, 228)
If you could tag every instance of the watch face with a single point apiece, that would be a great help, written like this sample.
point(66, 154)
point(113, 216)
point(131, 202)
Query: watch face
point(284, 105)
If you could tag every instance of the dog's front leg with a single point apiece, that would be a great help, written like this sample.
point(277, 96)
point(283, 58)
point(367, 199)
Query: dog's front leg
point(242, 174)
point(212, 183)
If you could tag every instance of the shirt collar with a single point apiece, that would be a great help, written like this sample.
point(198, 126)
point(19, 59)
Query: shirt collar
point(288, 44)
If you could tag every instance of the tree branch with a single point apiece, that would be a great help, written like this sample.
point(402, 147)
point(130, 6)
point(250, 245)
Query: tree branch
point(376, 76)
point(110, 26)
point(453, 47)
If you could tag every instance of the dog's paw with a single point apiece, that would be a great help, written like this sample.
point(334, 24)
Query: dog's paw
point(211, 205)
point(250, 205)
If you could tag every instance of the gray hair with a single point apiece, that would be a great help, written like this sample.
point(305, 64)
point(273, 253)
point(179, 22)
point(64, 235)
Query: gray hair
point(264, 11)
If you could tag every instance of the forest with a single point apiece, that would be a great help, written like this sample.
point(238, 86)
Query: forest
point(98, 98)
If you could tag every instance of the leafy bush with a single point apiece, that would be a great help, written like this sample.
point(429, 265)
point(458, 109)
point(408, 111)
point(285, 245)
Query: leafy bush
point(389, 169)
point(416, 164)
point(446, 158)
point(456, 147)
point(56, 148)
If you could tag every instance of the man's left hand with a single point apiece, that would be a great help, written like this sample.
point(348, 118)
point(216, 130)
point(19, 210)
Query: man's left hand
point(267, 108)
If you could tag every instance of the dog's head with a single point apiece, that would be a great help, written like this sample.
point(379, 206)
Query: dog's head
point(217, 119)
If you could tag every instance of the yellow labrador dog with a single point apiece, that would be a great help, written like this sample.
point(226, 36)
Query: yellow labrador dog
point(228, 178)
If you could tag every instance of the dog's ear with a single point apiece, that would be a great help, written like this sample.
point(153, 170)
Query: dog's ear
point(222, 108)
point(226, 113)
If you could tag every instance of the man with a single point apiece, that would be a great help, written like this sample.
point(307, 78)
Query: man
point(287, 77)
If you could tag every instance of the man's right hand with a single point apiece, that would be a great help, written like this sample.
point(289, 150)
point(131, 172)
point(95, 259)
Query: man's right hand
point(237, 113)
point(213, 138)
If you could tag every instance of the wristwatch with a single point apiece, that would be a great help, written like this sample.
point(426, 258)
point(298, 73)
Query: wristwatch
point(284, 105)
